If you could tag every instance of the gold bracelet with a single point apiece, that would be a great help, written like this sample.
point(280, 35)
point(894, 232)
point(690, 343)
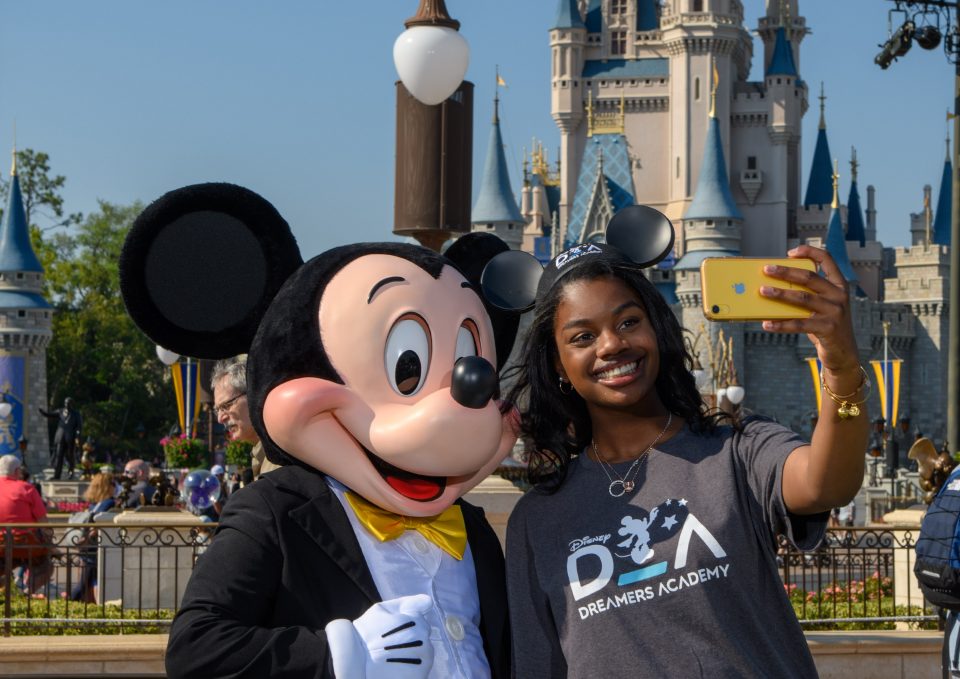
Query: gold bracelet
point(848, 408)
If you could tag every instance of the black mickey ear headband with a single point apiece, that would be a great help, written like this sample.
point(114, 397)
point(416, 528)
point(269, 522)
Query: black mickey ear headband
point(200, 266)
point(637, 235)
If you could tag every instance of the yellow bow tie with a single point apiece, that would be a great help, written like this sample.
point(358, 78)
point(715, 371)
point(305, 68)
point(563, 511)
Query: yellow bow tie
point(446, 530)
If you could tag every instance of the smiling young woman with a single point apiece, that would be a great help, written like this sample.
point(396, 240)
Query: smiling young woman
point(653, 520)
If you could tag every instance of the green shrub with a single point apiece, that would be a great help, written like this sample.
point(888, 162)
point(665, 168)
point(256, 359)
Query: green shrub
point(238, 453)
point(32, 617)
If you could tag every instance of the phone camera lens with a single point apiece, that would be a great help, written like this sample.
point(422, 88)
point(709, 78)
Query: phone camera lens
point(716, 308)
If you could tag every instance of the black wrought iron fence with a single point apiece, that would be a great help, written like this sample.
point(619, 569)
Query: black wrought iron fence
point(83, 578)
point(103, 577)
point(859, 578)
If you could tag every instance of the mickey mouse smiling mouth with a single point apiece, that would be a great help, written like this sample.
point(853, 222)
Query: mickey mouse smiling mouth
point(413, 486)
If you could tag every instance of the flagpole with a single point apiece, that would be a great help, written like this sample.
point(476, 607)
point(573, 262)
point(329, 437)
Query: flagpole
point(187, 414)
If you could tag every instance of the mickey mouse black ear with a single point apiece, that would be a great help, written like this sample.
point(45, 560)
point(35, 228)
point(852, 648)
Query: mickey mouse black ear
point(509, 280)
point(641, 233)
point(201, 265)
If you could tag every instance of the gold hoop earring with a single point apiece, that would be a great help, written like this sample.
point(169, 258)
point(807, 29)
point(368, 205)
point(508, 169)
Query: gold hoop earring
point(569, 388)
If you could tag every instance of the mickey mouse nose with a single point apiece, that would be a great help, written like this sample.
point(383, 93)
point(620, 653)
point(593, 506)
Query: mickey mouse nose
point(474, 382)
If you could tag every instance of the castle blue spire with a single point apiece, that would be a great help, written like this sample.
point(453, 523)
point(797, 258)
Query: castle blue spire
point(836, 243)
point(819, 191)
point(16, 252)
point(568, 15)
point(647, 16)
point(941, 222)
point(782, 61)
point(495, 203)
point(594, 20)
point(856, 229)
point(712, 199)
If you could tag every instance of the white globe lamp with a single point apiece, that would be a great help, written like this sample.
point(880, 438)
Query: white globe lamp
point(431, 56)
point(5, 410)
point(735, 394)
point(166, 356)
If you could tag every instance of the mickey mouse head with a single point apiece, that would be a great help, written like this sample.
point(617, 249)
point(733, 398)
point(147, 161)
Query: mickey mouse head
point(375, 363)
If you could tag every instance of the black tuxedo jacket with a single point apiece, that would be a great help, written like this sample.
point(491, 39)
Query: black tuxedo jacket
point(284, 563)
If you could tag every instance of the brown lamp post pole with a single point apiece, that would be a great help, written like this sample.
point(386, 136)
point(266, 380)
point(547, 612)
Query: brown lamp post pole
point(434, 158)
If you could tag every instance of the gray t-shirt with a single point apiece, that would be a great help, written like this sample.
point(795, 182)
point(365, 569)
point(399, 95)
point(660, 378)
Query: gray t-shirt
point(677, 579)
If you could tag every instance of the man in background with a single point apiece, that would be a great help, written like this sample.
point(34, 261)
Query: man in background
point(21, 503)
point(141, 492)
point(229, 382)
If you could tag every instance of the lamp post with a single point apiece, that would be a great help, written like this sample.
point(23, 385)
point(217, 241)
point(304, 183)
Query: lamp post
point(726, 392)
point(434, 152)
point(168, 357)
point(922, 23)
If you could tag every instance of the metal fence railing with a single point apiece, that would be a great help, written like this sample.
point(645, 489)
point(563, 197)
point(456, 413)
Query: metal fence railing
point(83, 578)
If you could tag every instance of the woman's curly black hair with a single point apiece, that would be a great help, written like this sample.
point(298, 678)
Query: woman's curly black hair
point(555, 424)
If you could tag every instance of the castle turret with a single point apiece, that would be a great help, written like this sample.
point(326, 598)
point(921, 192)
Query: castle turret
point(568, 40)
point(856, 230)
point(941, 222)
point(819, 191)
point(787, 98)
point(496, 209)
point(25, 317)
point(836, 242)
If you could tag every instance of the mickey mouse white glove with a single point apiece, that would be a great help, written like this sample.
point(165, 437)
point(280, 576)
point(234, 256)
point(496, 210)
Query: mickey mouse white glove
point(390, 640)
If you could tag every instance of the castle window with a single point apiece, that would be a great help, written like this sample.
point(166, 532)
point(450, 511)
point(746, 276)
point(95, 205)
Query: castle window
point(618, 6)
point(21, 313)
point(751, 162)
point(696, 89)
point(678, 167)
point(697, 6)
point(618, 42)
point(19, 275)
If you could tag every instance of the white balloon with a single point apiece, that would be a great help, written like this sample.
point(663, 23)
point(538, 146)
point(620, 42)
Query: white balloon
point(166, 356)
point(735, 394)
point(431, 61)
point(5, 409)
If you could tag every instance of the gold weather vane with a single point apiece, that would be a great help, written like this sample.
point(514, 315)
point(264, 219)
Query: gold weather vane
point(836, 184)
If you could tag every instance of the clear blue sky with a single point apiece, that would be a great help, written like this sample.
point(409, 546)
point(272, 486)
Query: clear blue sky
point(295, 100)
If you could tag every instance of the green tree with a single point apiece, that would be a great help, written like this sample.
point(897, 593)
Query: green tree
point(40, 190)
point(98, 356)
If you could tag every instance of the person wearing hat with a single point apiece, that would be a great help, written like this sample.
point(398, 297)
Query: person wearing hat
point(649, 538)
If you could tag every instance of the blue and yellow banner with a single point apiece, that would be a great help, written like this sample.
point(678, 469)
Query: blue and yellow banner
point(888, 385)
point(814, 364)
point(185, 375)
point(13, 380)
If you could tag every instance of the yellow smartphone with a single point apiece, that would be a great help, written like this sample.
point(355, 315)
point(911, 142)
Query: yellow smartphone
point(730, 289)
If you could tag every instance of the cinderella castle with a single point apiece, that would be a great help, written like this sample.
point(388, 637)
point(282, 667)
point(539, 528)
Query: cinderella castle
point(654, 106)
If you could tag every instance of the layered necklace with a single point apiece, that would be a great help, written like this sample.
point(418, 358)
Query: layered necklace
point(624, 484)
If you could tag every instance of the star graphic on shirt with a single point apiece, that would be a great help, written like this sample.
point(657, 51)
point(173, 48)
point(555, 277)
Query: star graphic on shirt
point(954, 485)
point(682, 502)
point(669, 522)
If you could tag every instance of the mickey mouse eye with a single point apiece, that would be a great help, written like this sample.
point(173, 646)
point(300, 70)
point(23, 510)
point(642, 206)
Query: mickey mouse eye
point(407, 355)
point(466, 340)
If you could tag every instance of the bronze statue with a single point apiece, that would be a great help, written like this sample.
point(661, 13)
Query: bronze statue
point(66, 439)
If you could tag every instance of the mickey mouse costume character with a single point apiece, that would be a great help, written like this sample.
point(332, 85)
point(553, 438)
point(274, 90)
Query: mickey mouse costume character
point(371, 375)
